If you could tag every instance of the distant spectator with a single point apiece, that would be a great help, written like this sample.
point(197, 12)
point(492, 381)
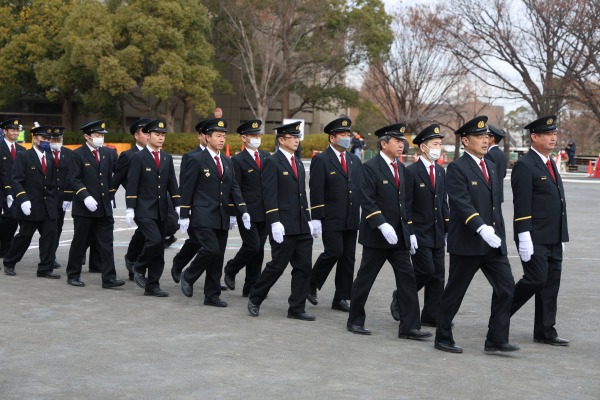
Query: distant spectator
point(570, 149)
point(357, 145)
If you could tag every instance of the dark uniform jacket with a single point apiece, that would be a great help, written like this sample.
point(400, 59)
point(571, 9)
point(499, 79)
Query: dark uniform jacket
point(64, 187)
point(249, 178)
point(499, 159)
point(6, 166)
point(90, 179)
point(382, 202)
point(427, 207)
point(122, 169)
point(285, 194)
point(472, 203)
point(207, 195)
point(184, 165)
point(30, 184)
point(540, 204)
point(334, 196)
point(147, 185)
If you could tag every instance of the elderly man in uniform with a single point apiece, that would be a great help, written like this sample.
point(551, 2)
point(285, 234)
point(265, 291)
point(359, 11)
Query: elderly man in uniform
point(288, 216)
point(496, 155)
point(427, 213)
point(335, 209)
point(150, 182)
point(476, 240)
point(120, 178)
point(62, 158)
point(541, 230)
point(8, 153)
point(385, 236)
point(93, 167)
point(33, 186)
point(247, 167)
point(210, 187)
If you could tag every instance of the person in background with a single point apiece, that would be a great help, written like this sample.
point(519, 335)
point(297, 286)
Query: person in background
point(571, 149)
point(496, 155)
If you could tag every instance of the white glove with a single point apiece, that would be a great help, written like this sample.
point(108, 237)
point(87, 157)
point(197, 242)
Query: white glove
point(129, 216)
point(246, 221)
point(316, 227)
point(232, 222)
point(489, 235)
point(413, 244)
point(525, 246)
point(178, 211)
point(9, 200)
point(184, 224)
point(90, 203)
point(388, 233)
point(446, 240)
point(278, 231)
point(26, 207)
point(66, 205)
point(114, 205)
point(564, 246)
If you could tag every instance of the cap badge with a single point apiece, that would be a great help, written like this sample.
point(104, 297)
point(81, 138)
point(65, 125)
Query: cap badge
point(344, 123)
point(480, 124)
point(161, 125)
point(16, 122)
point(402, 129)
point(221, 124)
point(48, 130)
point(550, 121)
point(254, 125)
point(103, 125)
point(436, 130)
point(297, 127)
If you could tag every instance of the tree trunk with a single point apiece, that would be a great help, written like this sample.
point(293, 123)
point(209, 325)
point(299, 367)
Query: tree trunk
point(457, 144)
point(284, 100)
point(188, 111)
point(67, 113)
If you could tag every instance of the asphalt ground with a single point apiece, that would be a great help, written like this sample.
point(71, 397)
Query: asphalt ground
point(63, 342)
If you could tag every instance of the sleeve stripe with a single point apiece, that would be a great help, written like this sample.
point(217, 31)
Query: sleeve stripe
point(319, 206)
point(81, 190)
point(471, 217)
point(522, 218)
point(186, 206)
point(20, 193)
point(370, 215)
point(270, 211)
point(409, 222)
point(175, 196)
point(132, 197)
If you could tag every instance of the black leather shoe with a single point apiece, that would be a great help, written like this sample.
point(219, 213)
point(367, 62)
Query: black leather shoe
point(414, 334)
point(253, 309)
point(56, 265)
point(175, 274)
point(139, 279)
point(554, 341)
point(156, 292)
point(394, 308)
point(449, 348)
point(492, 346)
point(216, 302)
point(10, 271)
point(76, 282)
point(311, 296)
point(112, 283)
point(229, 281)
point(341, 305)
point(128, 264)
point(169, 241)
point(186, 288)
point(49, 275)
point(223, 288)
point(303, 316)
point(131, 276)
point(358, 329)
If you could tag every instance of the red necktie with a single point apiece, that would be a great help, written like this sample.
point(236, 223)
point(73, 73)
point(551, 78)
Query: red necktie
point(396, 174)
point(257, 159)
point(431, 176)
point(485, 175)
point(44, 164)
point(96, 155)
point(549, 165)
point(156, 159)
point(13, 152)
point(294, 168)
point(343, 161)
point(219, 166)
point(56, 158)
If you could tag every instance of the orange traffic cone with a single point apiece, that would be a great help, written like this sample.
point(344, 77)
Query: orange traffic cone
point(401, 158)
point(590, 170)
point(227, 153)
point(597, 170)
point(242, 148)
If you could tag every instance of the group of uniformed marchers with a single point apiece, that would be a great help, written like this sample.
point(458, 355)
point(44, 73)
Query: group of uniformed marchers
point(408, 216)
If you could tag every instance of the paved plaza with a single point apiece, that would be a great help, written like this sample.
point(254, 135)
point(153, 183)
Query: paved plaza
point(63, 342)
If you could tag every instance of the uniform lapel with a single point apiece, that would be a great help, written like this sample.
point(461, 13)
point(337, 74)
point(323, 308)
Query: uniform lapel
point(250, 160)
point(90, 156)
point(287, 165)
point(36, 160)
point(211, 163)
point(477, 169)
point(149, 159)
point(424, 174)
point(386, 170)
point(334, 159)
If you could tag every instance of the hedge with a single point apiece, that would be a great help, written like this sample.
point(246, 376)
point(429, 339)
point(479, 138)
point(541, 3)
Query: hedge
point(180, 143)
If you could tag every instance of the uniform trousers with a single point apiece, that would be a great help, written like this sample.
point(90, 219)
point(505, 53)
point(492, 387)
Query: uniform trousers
point(541, 276)
point(136, 244)
point(496, 268)
point(101, 228)
point(250, 255)
point(406, 288)
point(186, 254)
point(152, 256)
point(9, 227)
point(209, 258)
point(297, 251)
point(22, 240)
point(340, 248)
point(60, 220)
point(430, 271)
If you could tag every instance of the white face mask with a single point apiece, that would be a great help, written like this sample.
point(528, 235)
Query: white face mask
point(255, 142)
point(97, 142)
point(55, 146)
point(434, 154)
point(344, 142)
